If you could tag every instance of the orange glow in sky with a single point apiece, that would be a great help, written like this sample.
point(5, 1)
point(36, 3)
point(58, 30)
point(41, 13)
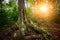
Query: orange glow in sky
point(43, 10)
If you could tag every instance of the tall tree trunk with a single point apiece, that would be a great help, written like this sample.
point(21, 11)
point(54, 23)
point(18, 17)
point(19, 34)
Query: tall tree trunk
point(21, 7)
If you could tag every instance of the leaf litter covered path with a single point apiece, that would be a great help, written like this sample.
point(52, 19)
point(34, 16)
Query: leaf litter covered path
point(53, 30)
point(37, 33)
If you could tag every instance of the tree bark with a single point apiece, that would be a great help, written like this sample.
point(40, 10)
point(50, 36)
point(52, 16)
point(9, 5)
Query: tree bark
point(21, 7)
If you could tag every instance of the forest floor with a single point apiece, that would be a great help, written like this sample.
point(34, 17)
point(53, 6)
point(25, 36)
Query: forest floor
point(53, 29)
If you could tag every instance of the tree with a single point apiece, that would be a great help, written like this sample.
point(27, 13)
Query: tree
point(21, 7)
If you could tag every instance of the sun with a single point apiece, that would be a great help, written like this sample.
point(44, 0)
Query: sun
point(43, 8)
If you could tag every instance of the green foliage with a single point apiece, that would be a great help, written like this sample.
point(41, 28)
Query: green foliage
point(57, 18)
point(28, 12)
point(31, 1)
point(9, 13)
